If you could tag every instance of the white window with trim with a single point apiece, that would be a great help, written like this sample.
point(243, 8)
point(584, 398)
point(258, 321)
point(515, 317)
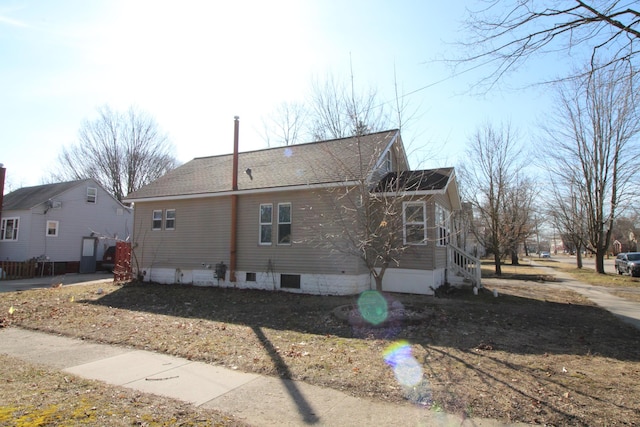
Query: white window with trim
point(266, 223)
point(92, 195)
point(9, 229)
point(170, 219)
point(442, 226)
point(52, 228)
point(156, 221)
point(284, 223)
point(414, 217)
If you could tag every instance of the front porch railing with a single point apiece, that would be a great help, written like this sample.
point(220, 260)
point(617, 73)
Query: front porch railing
point(465, 265)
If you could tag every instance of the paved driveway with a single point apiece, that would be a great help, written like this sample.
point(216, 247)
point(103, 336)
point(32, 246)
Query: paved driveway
point(48, 281)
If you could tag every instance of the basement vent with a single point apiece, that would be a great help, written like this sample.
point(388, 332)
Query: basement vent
point(290, 281)
point(251, 277)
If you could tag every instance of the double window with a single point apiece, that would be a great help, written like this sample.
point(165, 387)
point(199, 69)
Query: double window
point(169, 217)
point(414, 215)
point(283, 227)
point(9, 229)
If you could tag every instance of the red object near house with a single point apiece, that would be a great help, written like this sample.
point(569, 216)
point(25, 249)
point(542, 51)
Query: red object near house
point(122, 271)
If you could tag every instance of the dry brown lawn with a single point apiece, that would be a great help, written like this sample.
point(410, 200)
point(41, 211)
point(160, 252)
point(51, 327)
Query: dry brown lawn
point(532, 355)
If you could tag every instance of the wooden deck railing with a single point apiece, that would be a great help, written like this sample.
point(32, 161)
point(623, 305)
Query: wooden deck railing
point(10, 270)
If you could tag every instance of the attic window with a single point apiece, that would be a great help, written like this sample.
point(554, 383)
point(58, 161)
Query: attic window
point(386, 162)
point(92, 194)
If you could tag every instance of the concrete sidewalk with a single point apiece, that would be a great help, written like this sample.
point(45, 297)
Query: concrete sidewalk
point(258, 400)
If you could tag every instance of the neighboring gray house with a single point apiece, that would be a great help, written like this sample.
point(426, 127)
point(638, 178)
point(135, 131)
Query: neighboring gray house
point(278, 224)
point(68, 224)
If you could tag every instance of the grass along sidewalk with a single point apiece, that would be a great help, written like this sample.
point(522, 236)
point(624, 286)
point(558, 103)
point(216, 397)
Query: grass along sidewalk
point(531, 355)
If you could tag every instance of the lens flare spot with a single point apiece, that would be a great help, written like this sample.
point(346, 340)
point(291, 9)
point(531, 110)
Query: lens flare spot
point(406, 368)
point(288, 152)
point(373, 307)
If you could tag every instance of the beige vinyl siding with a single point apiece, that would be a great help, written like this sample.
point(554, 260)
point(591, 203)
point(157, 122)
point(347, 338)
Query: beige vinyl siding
point(201, 235)
point(306, 254)
point(429, 256)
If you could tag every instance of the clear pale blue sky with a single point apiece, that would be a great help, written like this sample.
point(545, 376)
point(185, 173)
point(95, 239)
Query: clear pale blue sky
point(194, 65)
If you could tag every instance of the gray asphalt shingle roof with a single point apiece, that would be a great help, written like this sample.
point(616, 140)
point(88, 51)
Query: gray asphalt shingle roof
point(29, 197)
point(322, 162)
point(421, 180)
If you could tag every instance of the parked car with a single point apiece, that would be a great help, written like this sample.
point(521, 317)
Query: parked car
point(628, 262)
point(109, 258)
point(545, 254)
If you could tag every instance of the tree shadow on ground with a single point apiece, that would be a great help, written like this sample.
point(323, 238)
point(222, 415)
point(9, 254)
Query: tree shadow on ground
point(461, 320)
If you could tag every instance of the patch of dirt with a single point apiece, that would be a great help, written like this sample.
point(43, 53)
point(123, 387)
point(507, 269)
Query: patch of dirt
point(533, 354)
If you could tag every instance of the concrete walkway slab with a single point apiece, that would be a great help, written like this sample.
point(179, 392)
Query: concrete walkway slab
point(53, 350)
point(260, 401)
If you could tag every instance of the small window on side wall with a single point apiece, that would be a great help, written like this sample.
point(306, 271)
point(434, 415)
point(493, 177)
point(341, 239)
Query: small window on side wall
point(157, 220)
point(52, 228)
point(290, 281)
point(92, 195)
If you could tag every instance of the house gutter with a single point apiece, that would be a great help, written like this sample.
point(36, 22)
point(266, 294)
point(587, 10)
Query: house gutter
point(246, 192)
point(234, 203)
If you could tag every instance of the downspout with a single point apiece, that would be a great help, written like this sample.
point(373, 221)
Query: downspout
point(3, 173)
point(234, 203)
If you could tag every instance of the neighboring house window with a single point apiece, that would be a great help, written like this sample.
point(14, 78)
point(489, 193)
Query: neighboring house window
point(442, 226)
point(92, 194)
point(9, 229)
point(415, 223)
point(284, 223)
point(157, 220)
point(170, 219)
point(266, 223)
point(52, 228)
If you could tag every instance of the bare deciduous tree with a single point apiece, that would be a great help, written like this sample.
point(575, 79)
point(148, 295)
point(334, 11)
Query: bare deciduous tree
point(333, 110)
point(567, 212)
point(490, 179)
point(596, 151)
point(517, 211)
point(286, 125)
point(338, 111)
point(508, 35)
point(121, 151)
